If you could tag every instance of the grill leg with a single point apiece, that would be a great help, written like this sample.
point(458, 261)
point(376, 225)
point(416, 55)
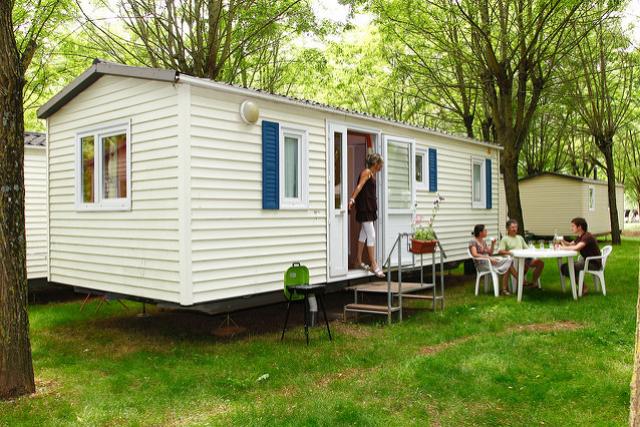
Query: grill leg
point(286, 319)
point(326, 321)
point(306, 324)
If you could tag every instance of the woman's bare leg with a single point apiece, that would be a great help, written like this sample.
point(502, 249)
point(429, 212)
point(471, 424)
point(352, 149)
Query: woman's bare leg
point(359, 252)
point(505, 281)
point(371, 250)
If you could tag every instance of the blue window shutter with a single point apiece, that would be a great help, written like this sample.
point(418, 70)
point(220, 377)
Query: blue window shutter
point(270, 165)
point(488, 182)
point(433, 170)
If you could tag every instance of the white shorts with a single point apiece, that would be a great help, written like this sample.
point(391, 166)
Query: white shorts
point(367, 233)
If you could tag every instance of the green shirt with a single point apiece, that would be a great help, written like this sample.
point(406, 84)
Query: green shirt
point(509, 243)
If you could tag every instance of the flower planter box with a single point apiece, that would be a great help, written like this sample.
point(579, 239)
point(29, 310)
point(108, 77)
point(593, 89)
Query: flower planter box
point(423, 246)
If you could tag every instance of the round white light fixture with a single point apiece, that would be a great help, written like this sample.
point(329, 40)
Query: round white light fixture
point(249, 112)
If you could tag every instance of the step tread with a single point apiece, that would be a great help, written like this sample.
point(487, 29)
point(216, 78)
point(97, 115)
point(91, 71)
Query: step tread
point(415, 296)
point(382, 287)
point(369, 307)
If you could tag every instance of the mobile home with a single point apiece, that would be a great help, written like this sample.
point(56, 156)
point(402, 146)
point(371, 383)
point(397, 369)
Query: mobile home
point(173, 188)
point(550, 200)
point(35, 201)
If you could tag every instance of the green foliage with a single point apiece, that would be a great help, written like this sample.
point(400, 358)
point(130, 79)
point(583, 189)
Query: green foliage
point(52, 64)
point(424, 233)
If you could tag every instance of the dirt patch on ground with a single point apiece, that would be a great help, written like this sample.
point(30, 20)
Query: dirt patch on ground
point(45, 387)
point(437, 348)
point(346, 374)
point(199, 415)
point(547, 327)
point(533, 327)
point(353, 330)
point(321, 382)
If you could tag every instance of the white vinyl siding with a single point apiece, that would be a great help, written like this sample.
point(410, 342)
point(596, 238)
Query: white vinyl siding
point(35, 210)
point(456, 218)
point(549, 202)
point(132, 252)
point(237, 247)
point(598, 219)
point(196, 231)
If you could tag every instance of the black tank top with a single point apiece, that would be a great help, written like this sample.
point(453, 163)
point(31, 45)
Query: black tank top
point(367, 202)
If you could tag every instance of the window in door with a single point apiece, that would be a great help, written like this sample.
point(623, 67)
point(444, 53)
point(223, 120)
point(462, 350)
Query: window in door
point(399, 175)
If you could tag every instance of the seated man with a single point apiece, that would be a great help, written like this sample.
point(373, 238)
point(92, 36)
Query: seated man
point(584, 243)
point(512, 240)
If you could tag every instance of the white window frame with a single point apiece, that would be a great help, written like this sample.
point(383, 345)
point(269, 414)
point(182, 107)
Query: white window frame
point(100, 203)
point(302, 201)
point(592, 207)
point(482, 204)
point(424, 153)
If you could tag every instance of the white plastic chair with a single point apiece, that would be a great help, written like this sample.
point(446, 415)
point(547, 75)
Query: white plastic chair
point(598, 275)
point(491, 272)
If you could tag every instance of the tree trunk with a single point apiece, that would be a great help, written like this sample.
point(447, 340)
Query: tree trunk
point(487, 130)
point(607, 150)
point(16, 369)
point(512, 190)
point(468, 125)
point(505, 136)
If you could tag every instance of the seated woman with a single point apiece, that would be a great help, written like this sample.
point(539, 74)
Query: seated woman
point(479, 249)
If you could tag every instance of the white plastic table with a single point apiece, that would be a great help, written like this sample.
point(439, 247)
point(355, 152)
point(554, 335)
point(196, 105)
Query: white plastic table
point(521, 254)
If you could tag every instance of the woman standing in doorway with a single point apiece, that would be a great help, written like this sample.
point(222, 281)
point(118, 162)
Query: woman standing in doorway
point(365, 199)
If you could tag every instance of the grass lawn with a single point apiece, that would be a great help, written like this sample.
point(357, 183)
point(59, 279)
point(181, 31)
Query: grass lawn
point(483, 361)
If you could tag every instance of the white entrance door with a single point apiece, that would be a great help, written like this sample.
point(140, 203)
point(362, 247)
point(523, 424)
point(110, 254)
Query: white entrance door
point(399, 193)
point(338, 201)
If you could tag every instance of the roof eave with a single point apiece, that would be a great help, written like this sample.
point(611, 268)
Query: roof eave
point(100, 68)
point(565, 176)
point(93, 73)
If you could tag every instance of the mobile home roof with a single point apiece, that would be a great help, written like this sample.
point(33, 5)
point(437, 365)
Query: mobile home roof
point(567, 176)
point(102, 68)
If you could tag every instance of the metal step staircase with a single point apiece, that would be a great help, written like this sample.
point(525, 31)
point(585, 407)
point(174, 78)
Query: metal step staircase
point(397, 291)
